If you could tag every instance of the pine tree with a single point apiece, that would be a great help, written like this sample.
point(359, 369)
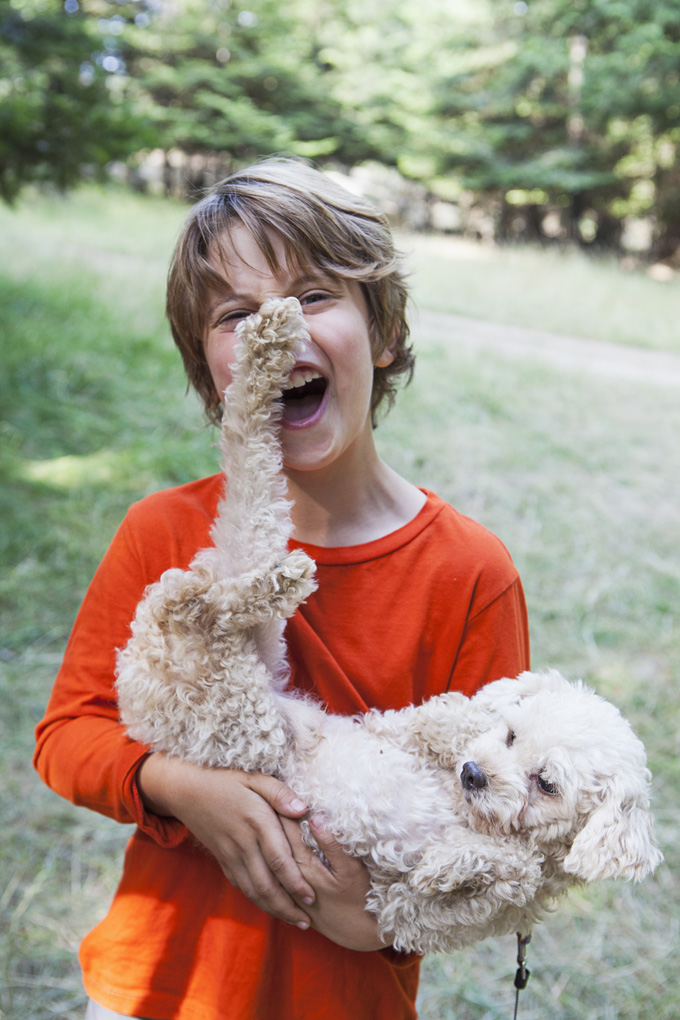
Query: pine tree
point(62, 112)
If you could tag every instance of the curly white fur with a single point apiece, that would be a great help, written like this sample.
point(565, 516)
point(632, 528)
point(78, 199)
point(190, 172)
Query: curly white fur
point(472, 815)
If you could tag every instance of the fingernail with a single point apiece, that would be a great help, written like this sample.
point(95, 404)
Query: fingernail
point(298, 805)
point(308, 900)
point(303, 925)
point(317, 822)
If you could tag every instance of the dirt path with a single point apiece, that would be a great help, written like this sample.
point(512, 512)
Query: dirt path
point(572, 353)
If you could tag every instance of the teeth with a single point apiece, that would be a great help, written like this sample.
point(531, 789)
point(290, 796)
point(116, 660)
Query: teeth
point(301, 378)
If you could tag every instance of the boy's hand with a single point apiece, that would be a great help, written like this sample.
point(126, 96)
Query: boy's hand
point(237, 816)
point(339, 909)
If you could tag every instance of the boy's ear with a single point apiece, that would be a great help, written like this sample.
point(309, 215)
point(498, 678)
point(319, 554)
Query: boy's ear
point(387, 355)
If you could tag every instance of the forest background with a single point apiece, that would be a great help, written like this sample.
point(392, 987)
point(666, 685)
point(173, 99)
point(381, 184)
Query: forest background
point(549, 119)
point(546, 121)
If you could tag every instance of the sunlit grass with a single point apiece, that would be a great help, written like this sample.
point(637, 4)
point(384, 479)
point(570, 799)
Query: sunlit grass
point(561, 291)
point(577, 474)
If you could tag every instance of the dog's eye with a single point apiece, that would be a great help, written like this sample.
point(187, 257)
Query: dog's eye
point(546, 787)
point(511, 738)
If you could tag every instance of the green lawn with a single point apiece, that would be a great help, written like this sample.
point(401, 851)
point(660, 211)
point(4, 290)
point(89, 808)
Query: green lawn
point(552, 289)
point(576, 473)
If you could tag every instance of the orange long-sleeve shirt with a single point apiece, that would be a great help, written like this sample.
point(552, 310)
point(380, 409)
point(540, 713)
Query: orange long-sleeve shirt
point(435, 606)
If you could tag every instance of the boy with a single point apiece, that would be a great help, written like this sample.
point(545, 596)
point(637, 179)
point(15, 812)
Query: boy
point(413, 599)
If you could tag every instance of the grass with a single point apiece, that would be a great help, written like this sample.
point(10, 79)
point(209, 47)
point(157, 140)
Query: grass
point(553, 289)
point(576, 473)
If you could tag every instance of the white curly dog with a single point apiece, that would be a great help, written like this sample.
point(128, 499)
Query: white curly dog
point(471, 815)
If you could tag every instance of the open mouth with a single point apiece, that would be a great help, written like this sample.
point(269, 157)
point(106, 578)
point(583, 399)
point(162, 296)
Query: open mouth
point(304, 397)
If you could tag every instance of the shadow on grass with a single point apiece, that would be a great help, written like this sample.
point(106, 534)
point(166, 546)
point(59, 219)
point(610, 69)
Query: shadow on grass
point(93, 418)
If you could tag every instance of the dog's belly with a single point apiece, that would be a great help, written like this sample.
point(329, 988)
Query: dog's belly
point(377, 797)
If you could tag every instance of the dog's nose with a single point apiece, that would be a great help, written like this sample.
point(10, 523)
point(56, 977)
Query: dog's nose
point(472, 777)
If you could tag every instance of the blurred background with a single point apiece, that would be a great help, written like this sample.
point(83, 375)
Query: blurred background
point(527, 156)
point(541, 120)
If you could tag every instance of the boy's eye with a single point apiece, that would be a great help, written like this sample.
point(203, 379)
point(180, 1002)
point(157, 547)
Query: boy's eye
point(313, 297)
point(232, 319)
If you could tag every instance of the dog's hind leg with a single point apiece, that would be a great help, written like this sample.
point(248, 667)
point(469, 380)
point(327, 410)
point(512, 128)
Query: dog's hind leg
point(207, 651)
point(253, 525)
point(234, 607)
point(190, 680)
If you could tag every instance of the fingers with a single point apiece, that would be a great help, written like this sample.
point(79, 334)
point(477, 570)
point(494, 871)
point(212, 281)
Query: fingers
point(258, 859)
point(283, 868)
point(279, 796)
point(340, 862)
point(256, 879)
point(275, 846)
point(339, 911)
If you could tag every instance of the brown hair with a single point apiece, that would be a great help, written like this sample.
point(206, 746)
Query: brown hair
point(321, 225)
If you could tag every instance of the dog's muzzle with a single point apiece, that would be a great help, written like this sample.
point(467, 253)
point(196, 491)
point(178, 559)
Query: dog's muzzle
point(472, 777)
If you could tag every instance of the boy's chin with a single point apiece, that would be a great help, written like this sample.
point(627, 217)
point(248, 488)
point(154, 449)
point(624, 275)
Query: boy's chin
point(305, 457)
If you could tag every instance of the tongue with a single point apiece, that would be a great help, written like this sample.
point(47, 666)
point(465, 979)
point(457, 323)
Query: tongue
point(296, 409)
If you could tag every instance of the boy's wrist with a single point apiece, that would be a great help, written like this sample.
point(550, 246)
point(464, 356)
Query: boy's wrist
point(154, 785)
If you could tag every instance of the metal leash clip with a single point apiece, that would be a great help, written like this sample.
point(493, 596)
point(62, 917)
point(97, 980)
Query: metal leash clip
point(522, 974)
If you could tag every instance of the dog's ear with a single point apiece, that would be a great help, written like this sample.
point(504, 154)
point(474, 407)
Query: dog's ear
point(507, 692)
point(616, 842)
point(436, 727)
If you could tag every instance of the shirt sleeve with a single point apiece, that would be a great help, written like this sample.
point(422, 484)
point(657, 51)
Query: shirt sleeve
point(82, 750)
point(495, 642)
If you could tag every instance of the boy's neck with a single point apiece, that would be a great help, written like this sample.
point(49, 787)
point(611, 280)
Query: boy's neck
point(329, 511)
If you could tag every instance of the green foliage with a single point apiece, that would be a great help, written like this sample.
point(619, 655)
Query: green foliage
point(216, 78)
point(580, 100)
point(379, 59)
point(570, 103)
point(61, 113)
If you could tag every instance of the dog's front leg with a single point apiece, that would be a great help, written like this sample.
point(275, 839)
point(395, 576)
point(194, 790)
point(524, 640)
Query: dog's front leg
point(464, 888)
point(469, 862)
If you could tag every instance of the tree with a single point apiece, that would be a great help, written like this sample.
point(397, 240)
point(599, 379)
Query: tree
point(574, 102)
point(242, 82)
point(328, 79)
point(62, 113)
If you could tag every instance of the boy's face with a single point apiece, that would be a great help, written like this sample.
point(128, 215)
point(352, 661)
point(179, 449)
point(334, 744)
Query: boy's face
point(326, 410)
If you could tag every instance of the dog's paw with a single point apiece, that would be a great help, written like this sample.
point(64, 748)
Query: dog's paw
point(176, 598)
point(294, 581)
point(275, 315)
point(295, 567)
point(272, 593)
point(278, 325)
